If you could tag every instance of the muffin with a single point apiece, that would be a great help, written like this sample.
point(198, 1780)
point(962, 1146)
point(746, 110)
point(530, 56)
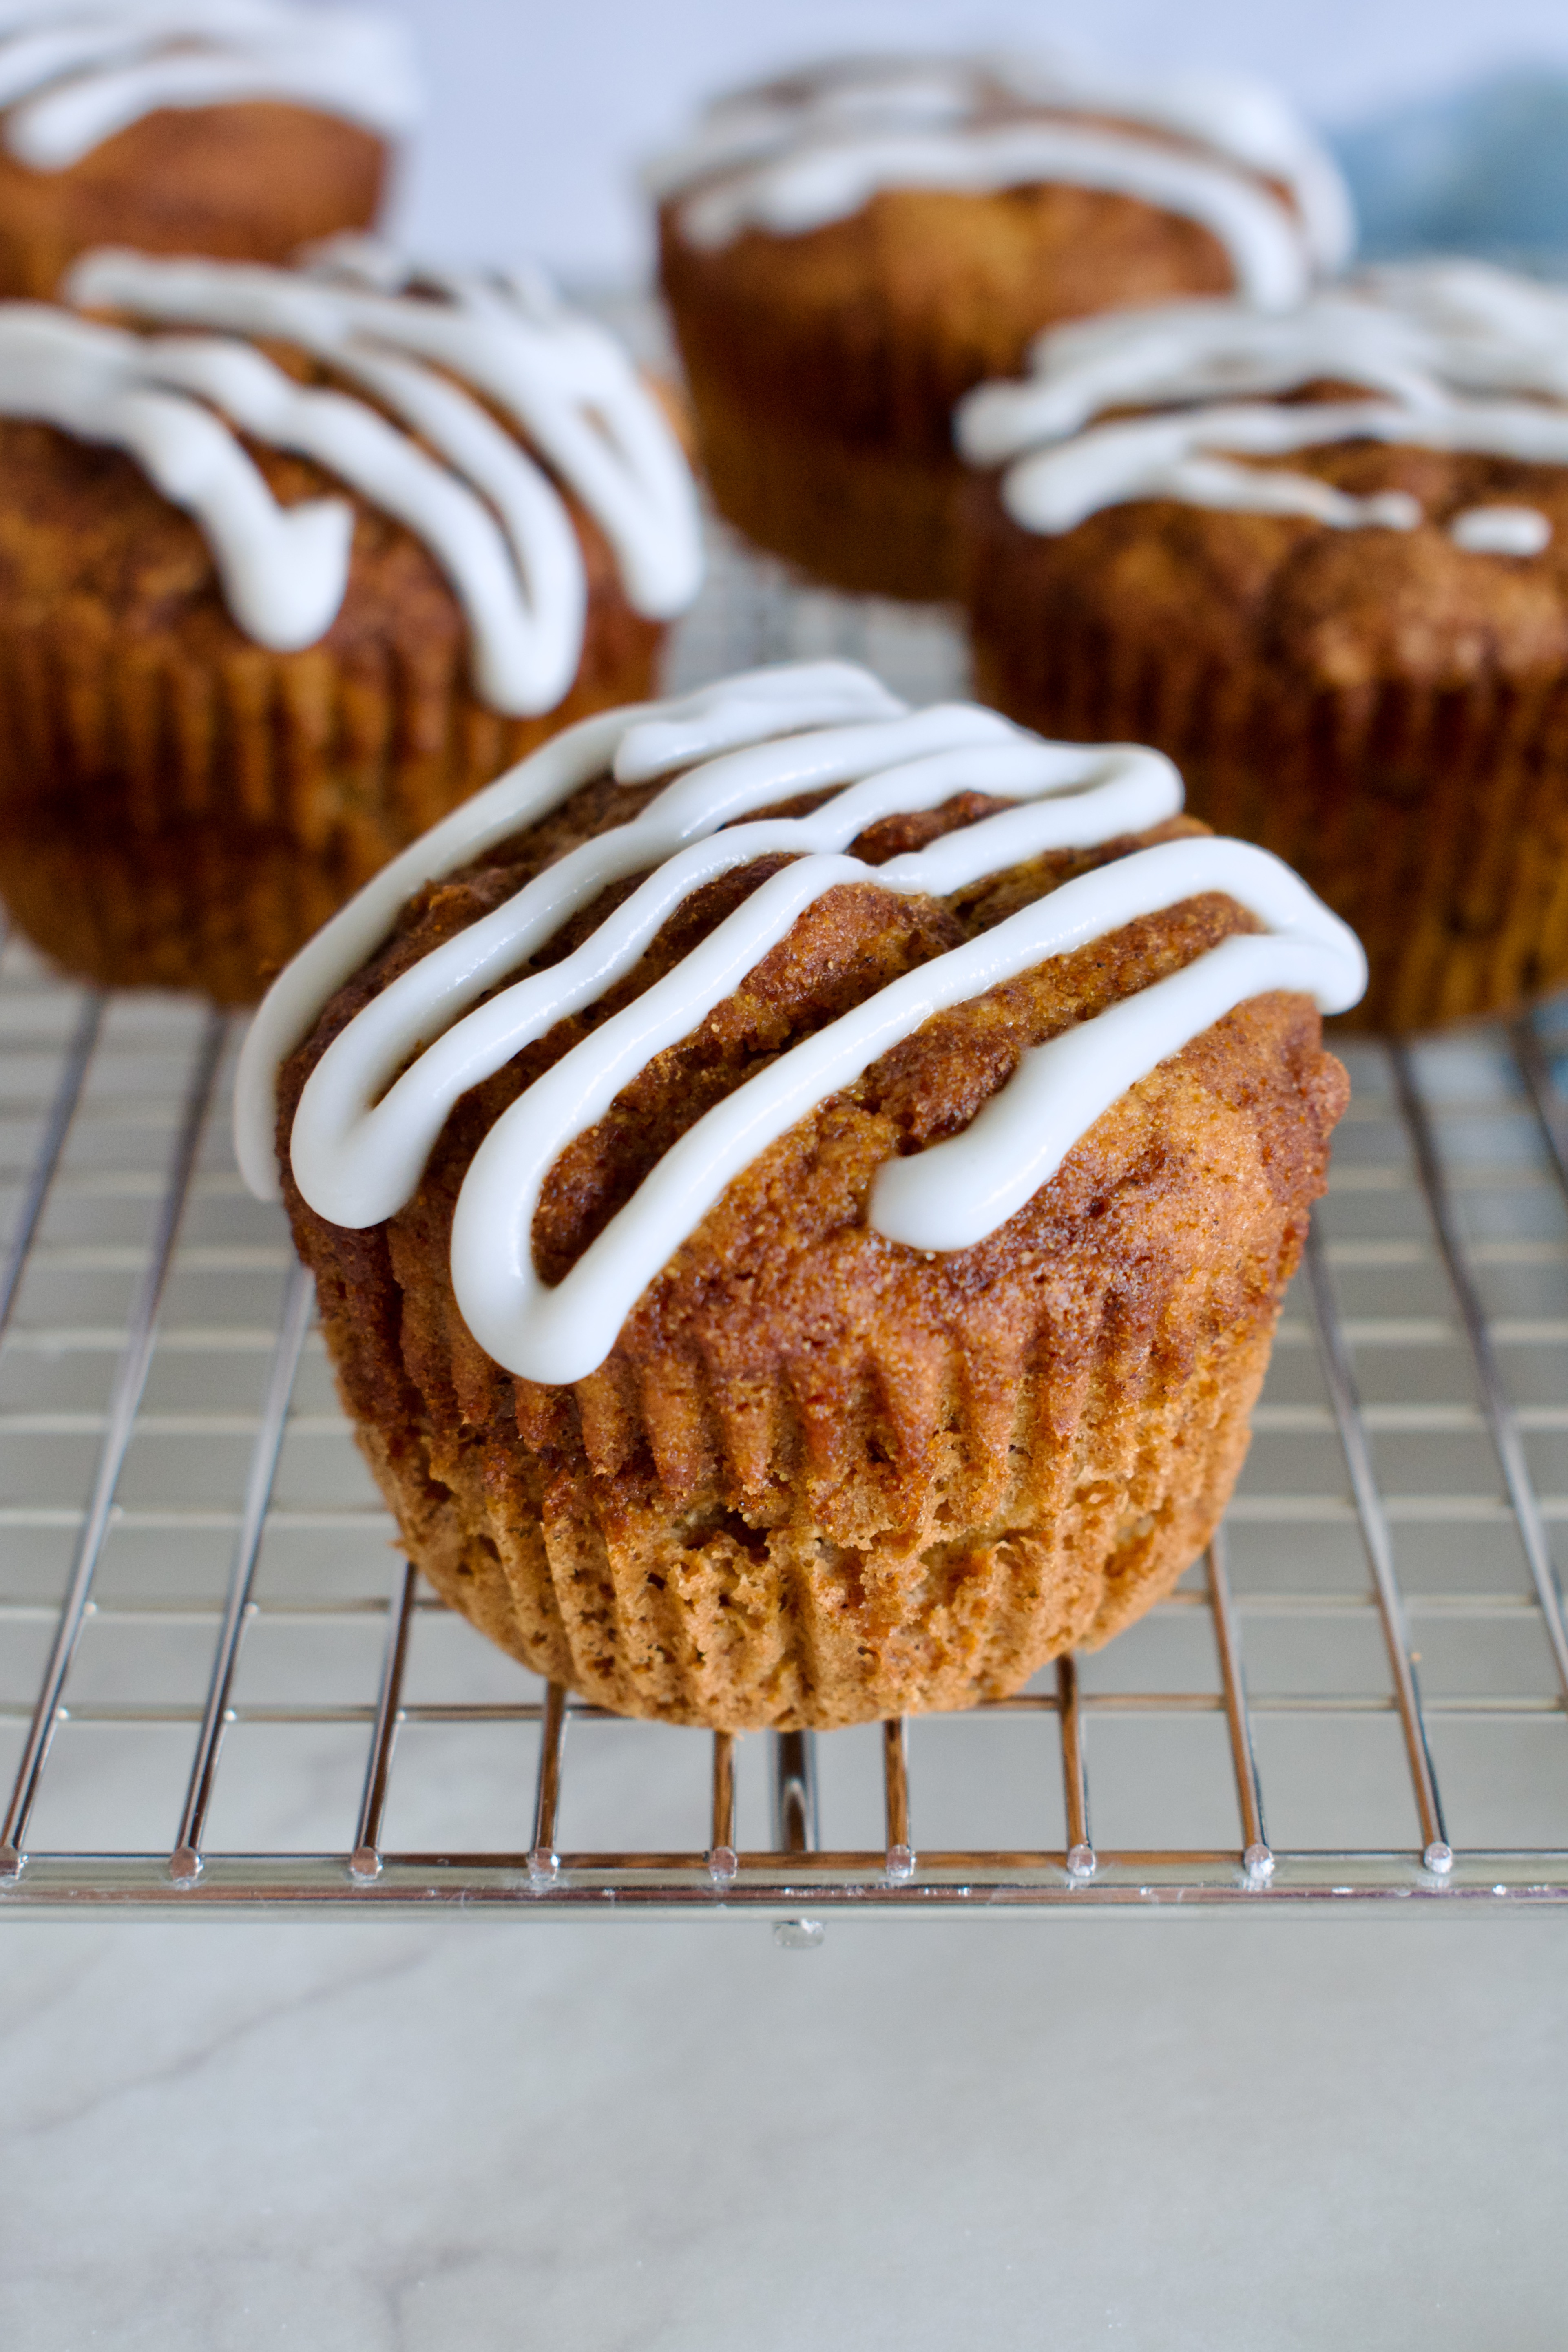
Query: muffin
point(1324, 564)
point(846, 251)
point(800, 1192)
point(290, 567)
point(190, 126)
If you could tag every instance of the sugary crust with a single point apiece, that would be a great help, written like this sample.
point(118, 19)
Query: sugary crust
point(823, 1477)
point(1387, 711)
point(180, 807)
point(244, 183)
point(824, 367)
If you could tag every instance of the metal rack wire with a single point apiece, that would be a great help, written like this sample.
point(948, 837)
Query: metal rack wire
point(221, 1688)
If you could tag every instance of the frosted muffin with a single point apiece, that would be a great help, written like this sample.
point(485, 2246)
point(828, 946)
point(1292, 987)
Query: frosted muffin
point(290, 566)
point(239, 128)
point(800, 1192)
point(1327, 571)
point(847, 250)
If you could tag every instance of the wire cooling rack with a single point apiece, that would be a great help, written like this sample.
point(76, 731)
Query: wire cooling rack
point(221, 1686)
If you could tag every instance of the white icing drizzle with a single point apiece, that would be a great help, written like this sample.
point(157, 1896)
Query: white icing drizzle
point(1182, 353)
point(641, 740)
point(1493, 329)
point(376, 1102)
point(1435, 344)
point(794, 155)
point(1502, 530)
point(488, 512)
point(1236, 116)
point(74, 72)
point(1169, 457)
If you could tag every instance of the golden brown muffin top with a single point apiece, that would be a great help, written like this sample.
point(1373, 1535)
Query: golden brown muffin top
point(909, 224)
point(787, 1265)
point(881, 323)
point(1370, 489)
point(84, 533)
point(346, 453)
point(1330, 608)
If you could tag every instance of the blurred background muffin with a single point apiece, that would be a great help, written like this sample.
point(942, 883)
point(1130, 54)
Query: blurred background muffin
point(846, 250)
point(287, 568)
point(1325, 567)
point(237, 128)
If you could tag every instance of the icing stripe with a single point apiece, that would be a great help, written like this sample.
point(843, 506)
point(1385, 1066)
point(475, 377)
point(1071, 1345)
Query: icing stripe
point(568, 383)
point(1434, 343)
point(282, 569)
point(958, 1192)
point(490, 516)
point(1167, 457)
point(774, 701)
point(1247, 120)
point(563, 1333)
point(812, 147)
point(73, 76)
point(1190, 352)
point(1500, 530)
point(828, 183)
point(376, 1101)
point(1493, 329)
point(361, 1142)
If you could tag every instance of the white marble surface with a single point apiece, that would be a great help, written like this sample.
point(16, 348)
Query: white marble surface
point(1223, 2133)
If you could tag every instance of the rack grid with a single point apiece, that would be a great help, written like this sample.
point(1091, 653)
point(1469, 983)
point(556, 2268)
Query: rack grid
point(221, 1688)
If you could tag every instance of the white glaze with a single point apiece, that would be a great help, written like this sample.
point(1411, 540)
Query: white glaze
point(1494, 330)
point(1236, 116)
point(74, 72)
point(635, 740)
point(1183, 456)
point(361, 1142)
point(488, 512)
point(1417, 334)
point(792, 155)
point(1433, 344)
point(564, 1332)
point(1181, 353)
point(1500, 530)
point(370, 1113)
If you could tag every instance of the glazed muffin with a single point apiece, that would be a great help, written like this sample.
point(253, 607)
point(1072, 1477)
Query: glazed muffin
point(846, 251)
point(239, 128)
point(1326, 570)
point(800, 1192)
point(288, 567)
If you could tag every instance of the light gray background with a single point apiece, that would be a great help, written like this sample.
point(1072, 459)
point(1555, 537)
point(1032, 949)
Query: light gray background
point(1224, 2134)
point(539, 112)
